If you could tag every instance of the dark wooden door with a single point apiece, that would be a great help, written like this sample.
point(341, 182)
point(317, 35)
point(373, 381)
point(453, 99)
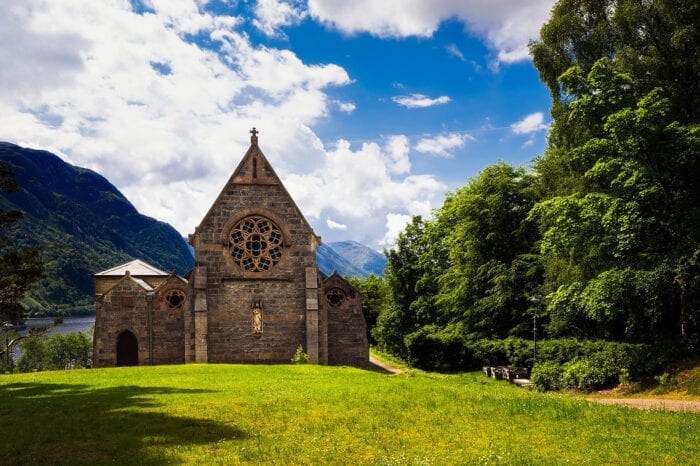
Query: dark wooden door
point(127, 349)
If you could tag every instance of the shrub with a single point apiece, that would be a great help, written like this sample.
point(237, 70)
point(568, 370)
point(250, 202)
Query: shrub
point(546, 376)
point(662, 379)
point(583, 375)
point(490, 352)
point(447, 350)
point(300, 357)
point(35, 355)
point(432, 348)
point(60, 351)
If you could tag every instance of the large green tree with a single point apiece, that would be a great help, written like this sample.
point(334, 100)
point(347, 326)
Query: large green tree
point(375, 297)
point(406, 311)
point(468, 273)
point(492, 270)
point(619, 218)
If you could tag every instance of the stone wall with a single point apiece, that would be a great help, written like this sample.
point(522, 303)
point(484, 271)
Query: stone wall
point(124, 307)
point(169, 324)
point(231, 292)
point(346, 326)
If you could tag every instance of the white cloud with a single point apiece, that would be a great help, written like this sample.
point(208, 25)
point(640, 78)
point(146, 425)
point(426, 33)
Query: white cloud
point(442, 145)
point(32, 58)
point(82, 83)
point(507, 25)
point(397, 149)
point(345, 107)
point(530, 124)
point(419, 100)
point(395, 224)
point(270, 15)
point(358, 188)
point(453, 50)
point(529, 142)
point(335, 225)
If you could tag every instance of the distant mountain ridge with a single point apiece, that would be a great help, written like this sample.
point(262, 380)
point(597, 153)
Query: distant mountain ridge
point(350, 258)
point(81, 224)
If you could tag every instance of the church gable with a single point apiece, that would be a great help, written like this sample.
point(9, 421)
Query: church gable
point(253, 248)
point(254, 169)
point(171, 295)
point(126, 292)
point(254, 189)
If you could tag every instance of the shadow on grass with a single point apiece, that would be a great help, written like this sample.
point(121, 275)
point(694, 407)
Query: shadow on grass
point(70, 424)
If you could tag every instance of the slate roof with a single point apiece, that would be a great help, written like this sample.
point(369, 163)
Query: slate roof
point(136, 268)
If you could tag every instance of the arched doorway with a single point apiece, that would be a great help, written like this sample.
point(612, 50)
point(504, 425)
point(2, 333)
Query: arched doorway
point(127, 349)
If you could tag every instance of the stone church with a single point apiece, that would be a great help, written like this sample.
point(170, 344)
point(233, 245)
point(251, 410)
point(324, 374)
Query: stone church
point(254, 296)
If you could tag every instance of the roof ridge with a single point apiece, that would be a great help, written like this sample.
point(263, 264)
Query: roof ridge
point(136, 267)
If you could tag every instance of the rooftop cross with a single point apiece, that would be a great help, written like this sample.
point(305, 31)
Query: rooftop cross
point(254, 136)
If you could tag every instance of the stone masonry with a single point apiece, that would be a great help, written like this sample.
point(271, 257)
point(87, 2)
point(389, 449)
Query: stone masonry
point(254, 296)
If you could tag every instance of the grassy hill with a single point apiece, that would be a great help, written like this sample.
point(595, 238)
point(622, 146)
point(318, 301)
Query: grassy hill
point(290, 414)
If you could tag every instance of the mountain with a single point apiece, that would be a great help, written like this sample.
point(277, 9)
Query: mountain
point(350, 259)
point(81, 224)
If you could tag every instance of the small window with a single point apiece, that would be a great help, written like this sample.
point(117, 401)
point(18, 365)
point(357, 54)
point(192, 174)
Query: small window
point(335, 297)
point(175, 299)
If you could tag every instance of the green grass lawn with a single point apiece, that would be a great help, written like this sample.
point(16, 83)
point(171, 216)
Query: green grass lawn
point(305, 414)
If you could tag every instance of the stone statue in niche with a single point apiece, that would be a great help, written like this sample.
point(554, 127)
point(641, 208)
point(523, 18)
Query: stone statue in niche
point(257, 318)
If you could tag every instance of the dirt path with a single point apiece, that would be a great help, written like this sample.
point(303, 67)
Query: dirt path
point(383, 367)
point(652, 403)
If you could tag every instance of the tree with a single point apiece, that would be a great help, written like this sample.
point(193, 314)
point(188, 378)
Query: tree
point(655, 42)
point(375, 297)
point(57, 352)
point(404, 271)
point(619, 217)
point(492, 271)
point(19, 270)
point(467, 274)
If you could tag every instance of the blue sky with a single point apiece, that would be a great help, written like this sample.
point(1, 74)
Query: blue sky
point(370, 111)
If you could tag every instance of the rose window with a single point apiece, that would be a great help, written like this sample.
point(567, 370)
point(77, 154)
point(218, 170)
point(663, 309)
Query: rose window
point(255, 244)
point(335, 297)
point(175, 299)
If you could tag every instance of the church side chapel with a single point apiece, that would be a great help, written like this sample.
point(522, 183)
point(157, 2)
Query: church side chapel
point(254, 296)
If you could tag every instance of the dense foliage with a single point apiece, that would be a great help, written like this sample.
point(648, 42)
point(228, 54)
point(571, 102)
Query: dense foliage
point(601, 240)
point(58, 352)
point(20, 268)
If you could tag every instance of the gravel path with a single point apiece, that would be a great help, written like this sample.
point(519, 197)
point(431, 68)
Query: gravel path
point(652, 403)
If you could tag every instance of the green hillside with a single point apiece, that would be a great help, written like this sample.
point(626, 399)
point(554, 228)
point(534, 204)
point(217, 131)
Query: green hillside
point(306, 414)
point(81, 224)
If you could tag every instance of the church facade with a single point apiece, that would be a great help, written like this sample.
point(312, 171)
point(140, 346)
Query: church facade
point(254, 296)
